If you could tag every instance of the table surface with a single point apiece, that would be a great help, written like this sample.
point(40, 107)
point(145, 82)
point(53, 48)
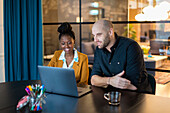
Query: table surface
point(131, 102)
point(154, 58)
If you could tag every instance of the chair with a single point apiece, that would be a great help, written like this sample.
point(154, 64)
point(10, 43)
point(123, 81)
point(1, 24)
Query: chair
point(88, 48)
point(152, 82)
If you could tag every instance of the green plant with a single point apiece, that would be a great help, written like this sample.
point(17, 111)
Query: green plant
point(131, 31)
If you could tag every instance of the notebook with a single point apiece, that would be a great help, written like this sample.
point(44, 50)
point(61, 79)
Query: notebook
point(61, 81)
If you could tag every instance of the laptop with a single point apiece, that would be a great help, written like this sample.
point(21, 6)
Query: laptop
point(61, 81)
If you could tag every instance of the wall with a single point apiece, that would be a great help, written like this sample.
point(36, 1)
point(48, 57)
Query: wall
point(2, 72)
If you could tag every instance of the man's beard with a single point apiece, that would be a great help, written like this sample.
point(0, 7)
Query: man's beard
point(106, 41)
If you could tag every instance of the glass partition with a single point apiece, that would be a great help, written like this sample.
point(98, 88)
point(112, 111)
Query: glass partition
point(152, 32)
point(113, 10)
point(55, 11)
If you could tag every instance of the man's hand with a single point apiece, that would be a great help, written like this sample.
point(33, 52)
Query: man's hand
point(119, 82)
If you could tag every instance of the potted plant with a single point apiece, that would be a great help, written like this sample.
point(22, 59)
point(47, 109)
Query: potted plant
point(130, 31)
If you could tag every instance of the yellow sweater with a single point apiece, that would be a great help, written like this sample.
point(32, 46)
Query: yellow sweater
point(81, 69)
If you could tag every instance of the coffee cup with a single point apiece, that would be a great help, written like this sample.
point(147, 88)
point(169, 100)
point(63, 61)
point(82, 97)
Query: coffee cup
point(113, 97)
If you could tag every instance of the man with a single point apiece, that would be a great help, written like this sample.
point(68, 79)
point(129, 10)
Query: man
point(118, 61)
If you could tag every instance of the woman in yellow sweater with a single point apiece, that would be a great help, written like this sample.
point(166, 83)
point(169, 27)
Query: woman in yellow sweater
point(69, 57)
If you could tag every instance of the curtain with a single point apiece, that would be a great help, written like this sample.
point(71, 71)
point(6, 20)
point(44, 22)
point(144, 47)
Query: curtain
point(22, 39)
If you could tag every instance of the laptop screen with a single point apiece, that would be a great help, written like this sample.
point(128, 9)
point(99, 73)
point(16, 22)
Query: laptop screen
point(58, 80)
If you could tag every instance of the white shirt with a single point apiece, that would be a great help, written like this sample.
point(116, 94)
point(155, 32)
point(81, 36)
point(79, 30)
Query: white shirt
point(75, 59)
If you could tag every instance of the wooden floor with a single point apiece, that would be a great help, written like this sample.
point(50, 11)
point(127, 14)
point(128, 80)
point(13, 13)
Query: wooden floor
point(163, 90)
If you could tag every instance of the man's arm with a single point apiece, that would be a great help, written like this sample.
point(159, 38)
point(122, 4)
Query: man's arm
point(135, 69)
point(97, 77)
point(97, 80)
point(116, 81)
point(135, 64)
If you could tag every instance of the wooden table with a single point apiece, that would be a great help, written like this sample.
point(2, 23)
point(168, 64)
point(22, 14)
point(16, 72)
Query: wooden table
point(154, 62)
point(131, 102)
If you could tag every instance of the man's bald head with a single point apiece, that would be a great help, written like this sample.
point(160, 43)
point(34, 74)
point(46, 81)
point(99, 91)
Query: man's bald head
point(104, 24)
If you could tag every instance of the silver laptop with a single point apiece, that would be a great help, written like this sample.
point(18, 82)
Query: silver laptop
point(61, 81)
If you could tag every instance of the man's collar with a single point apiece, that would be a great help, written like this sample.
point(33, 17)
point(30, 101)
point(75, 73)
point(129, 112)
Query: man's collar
point(116, 43)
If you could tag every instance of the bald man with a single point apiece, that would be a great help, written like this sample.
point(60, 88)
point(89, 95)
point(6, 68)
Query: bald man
point(118, 61)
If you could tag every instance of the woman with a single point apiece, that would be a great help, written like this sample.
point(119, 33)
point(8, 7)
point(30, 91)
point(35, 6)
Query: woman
point(69, 57)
